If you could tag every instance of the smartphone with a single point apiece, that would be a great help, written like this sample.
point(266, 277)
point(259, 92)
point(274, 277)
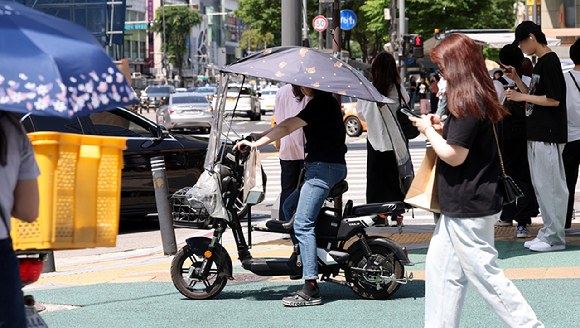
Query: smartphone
point(408, 112)
point(502, 66)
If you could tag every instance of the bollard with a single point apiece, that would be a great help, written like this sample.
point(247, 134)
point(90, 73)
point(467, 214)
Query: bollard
point(48, 265)
point(163, 207)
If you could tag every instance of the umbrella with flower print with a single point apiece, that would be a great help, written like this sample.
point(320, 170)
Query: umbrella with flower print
point(309, 68)
point(53, 67)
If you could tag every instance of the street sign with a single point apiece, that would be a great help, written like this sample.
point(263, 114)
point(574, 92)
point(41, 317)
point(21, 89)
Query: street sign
point(347, 19)
point(320, 23)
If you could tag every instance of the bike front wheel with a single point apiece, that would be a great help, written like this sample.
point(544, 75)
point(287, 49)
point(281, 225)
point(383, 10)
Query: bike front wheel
point(190, 284)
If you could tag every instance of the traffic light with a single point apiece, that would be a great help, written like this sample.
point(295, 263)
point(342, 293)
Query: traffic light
point(407, 45)
point(418, 46)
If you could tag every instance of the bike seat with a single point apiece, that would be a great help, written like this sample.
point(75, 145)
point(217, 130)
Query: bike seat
point(340, 188)
point(377, 209)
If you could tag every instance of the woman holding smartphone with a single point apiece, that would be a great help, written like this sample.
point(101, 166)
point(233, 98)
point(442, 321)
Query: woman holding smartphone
point(462, 249)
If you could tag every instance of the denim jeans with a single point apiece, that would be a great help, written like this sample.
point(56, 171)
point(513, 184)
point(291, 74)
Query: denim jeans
point(319, 179)
point(462, 252)
point(11, 299)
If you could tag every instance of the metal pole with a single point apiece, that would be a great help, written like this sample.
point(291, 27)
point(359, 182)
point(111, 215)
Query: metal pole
point(336, 36)
point(402, 62)
point(320, 33)
point(164, 40)
point(305, 41)
point(291, 23)
point(163, 207)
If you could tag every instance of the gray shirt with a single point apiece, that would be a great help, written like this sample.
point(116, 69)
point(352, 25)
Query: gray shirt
point(21, 165)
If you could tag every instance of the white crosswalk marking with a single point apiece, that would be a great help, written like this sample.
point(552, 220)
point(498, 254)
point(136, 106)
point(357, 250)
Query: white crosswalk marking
point(356, 159)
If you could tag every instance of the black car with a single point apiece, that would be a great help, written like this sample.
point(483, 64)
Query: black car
point(184, 154)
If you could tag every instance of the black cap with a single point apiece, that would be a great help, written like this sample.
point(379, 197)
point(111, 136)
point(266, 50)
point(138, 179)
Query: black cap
point(524, 29)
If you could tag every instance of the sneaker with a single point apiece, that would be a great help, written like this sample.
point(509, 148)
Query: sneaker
point(529, 244)
point(541, 246)
point(502, 223)
point(301, 299)
point(522, 232)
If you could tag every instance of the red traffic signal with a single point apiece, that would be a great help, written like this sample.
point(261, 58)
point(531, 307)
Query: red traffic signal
point(419, 41)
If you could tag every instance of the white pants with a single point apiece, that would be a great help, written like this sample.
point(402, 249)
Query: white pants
point(462, 252)
point(549, 180)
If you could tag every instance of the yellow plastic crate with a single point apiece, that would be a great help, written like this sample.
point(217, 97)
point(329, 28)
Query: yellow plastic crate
point(80, 192)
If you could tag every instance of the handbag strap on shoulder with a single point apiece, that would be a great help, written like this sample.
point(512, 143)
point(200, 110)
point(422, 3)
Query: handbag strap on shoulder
point(498, 150)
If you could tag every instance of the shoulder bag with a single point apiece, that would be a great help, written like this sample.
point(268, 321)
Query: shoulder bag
point(508, 186)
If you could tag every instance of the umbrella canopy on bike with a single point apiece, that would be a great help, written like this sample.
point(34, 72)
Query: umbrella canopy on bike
point(54, 67)
point(310, 68)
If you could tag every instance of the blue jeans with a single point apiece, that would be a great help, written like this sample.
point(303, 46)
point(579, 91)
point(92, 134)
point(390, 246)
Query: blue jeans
point(11, 298)
point(319, 179)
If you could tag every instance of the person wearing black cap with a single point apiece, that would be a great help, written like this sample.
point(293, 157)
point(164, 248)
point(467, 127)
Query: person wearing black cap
point(546, 132)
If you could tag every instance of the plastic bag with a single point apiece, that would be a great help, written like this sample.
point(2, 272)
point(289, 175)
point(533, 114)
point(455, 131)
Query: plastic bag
point(207, 192)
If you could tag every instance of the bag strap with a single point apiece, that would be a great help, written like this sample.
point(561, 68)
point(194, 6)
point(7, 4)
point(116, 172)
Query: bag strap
point(498, 150)
point(401, 99)
point(573, 79)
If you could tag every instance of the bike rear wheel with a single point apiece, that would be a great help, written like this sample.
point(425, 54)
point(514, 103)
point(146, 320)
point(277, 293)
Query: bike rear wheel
point(375, 285)
point(185, 280)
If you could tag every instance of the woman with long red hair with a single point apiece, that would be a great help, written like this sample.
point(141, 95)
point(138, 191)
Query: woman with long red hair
point(462, 248)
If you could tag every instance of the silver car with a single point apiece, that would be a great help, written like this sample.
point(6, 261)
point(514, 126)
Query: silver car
point(185, 110)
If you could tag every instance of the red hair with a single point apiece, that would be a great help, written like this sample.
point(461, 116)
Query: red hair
point(468, 82)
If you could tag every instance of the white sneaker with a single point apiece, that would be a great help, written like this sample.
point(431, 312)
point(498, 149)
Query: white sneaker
point(529, 244)
point(545, 247)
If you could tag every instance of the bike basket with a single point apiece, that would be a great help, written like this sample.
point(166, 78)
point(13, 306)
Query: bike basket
point(80, 191)
point(186, 215)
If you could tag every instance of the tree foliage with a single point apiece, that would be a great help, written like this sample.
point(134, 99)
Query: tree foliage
point(178, 23)
point(266, 16)
point(372, 30)
point(257, 40)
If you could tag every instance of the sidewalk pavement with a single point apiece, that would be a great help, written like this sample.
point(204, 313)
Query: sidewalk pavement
point(134, 289)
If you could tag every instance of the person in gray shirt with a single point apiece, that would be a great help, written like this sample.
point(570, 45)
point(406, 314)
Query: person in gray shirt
point(19, 198)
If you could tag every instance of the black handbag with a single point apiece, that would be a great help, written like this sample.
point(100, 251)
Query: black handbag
point(508, 187)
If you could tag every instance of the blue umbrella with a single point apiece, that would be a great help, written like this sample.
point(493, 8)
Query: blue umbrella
point(53, 67)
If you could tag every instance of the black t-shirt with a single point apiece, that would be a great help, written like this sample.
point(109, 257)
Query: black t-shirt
point(325, 132)
point(470, 190)
point(514, 125)
point(547, 124)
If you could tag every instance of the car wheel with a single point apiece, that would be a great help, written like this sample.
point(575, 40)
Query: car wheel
point(353, 126)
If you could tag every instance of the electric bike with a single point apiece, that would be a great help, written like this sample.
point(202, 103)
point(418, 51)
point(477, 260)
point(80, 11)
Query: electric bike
point(373, 267)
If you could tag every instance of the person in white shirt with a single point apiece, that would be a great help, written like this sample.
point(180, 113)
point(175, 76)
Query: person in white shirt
point(571, 154)
point(386, 145)
point(289, 102)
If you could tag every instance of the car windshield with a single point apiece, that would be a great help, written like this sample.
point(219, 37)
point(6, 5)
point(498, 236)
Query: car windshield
point(158, 89)
point(189, 100)
point(237, 90)
point(206, 90)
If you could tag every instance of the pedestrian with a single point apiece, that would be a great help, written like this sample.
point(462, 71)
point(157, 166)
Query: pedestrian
point(546, 131)
point(461, 251)
point(288, 103)
point(325, 147)
point(433, 80)
point(423, 101)
point(442, 103)
point(18, 198)
point(515, 146)
point(386, 146)
point(571, 154)
point(413, 91)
